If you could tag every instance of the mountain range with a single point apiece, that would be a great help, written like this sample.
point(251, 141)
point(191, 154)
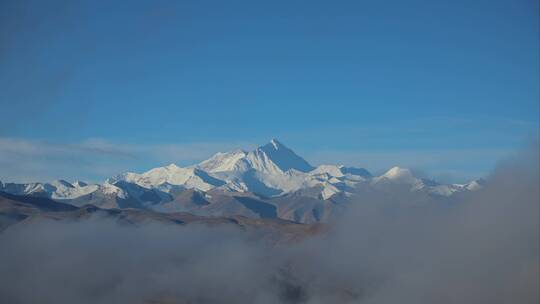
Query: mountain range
point(271, 181)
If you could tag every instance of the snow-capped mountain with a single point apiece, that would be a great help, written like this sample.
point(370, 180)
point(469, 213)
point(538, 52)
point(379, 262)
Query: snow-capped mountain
point(271, 158)
point(401, 176)
point(271, 180)
point(170, 175)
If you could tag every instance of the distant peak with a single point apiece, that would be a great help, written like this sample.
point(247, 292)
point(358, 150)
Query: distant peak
point(80, 184)
point(232, 152)
point(274, 144)
point(398, 173)
point(62, 182)
point(172, 166)
point(284, 157)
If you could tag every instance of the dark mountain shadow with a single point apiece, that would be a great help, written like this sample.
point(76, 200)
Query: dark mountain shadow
point(144, 195)
point(208, 179)
point(192, 196)
point(264, 210)
point(43, 204)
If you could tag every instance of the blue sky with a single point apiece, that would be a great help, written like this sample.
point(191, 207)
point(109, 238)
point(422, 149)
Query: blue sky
point(91, 89)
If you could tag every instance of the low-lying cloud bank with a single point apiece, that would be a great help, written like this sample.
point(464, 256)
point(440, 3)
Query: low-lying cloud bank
point(388, 248)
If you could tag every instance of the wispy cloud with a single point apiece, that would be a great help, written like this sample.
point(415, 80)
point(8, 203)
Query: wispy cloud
point(95, 159)
point(23, 160)
point(442, 164)
point(448, 148)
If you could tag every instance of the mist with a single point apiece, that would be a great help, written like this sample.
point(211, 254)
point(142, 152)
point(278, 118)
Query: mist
point(390, 247)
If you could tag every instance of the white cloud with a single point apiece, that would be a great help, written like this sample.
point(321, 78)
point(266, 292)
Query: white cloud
point(443, 164)
point(23, 160)
point(95, 159)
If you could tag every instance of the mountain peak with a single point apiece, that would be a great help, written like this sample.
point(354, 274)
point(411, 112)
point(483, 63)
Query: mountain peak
point(276, 144)
point(397, 172)
point(284, 157)
point(79, 184)
point(172, 166)
point(399, 175)
point(61, 183)
point(223, 162)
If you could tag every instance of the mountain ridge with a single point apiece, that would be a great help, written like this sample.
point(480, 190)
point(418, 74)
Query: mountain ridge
point(271, 175)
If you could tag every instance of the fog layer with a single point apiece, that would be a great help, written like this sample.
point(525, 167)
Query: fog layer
point(387, 248)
